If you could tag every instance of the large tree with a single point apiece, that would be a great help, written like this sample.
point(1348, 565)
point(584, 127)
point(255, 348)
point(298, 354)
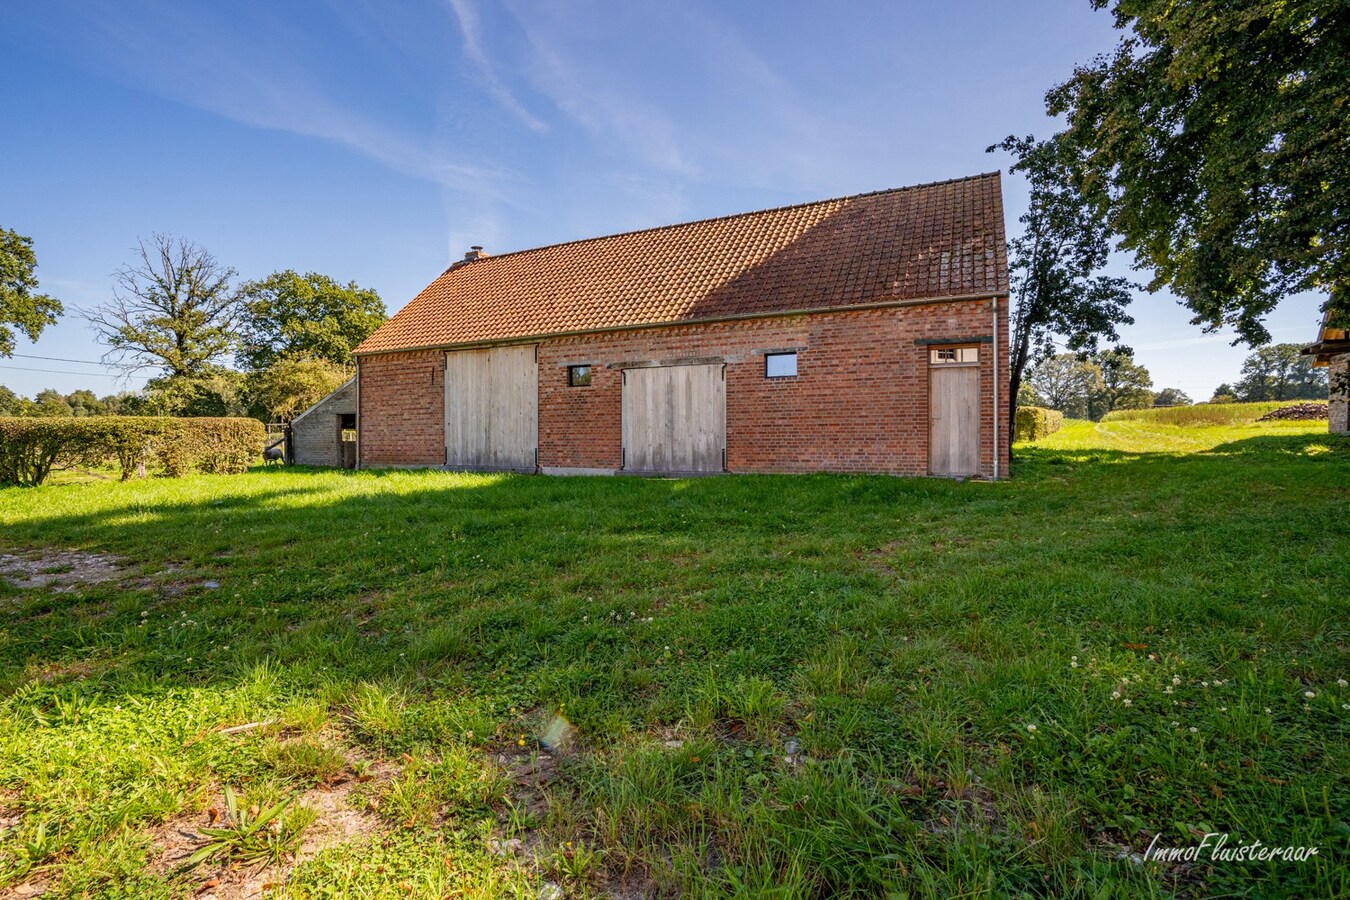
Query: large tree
point(11, 404)
point(174, 309)
point(21, 306)
point(1053, 266)
point(1172, 397)
point(1214, 140)
point(291, 385)
point(1065, 382)
point(310, 315)
point(1125, 384)
point(1280, 372)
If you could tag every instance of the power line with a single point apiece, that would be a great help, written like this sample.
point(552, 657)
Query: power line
point(66, 372)
point(84, 362)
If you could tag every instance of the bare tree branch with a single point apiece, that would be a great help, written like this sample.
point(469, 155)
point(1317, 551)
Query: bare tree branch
point(173, 309)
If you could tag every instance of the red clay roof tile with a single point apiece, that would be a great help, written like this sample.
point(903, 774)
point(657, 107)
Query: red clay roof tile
point(929, 241)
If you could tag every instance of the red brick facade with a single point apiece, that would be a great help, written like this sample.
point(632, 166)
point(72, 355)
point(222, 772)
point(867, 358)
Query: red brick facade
point(401, 409)
point(859, 401)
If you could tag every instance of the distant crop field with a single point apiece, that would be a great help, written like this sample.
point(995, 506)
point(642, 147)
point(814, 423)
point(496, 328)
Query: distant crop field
point(305, 683)
point(1201, 413)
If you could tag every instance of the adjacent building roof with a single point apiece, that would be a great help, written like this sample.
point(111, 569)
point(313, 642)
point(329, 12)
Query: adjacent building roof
point(930, 241)
point(1330, 342)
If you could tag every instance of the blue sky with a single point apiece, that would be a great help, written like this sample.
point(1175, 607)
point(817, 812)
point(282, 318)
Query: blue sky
point(375, 141)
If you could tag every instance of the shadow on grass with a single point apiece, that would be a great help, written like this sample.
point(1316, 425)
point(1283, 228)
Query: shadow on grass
point(906, 619)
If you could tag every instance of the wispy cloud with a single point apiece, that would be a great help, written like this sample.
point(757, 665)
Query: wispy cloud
point(248, 70)
point(591, 95)
point(471, 30)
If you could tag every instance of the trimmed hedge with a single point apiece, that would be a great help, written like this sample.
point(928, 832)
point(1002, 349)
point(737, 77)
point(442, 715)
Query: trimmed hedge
point(30, 448)
point(1034, 422)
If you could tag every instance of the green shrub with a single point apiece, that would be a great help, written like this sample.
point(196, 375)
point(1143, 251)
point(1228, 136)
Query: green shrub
point(1034, 422)
point(30, 448)
point(218, 446)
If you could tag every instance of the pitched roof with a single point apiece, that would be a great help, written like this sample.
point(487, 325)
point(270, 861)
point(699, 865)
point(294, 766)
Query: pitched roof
point(929, 241)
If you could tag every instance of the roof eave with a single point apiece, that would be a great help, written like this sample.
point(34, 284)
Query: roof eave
point(808, 311)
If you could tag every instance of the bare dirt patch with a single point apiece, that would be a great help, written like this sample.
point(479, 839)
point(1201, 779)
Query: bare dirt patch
point(63, 571)
point(60, 570)
point(337, 822)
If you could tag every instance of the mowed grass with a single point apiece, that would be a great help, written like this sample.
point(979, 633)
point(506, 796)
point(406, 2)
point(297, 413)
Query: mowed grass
point(760, 686)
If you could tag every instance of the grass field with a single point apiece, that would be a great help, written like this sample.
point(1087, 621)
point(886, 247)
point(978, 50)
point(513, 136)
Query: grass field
point(444, 685)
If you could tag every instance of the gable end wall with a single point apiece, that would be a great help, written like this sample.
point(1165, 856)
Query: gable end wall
point(316, 433)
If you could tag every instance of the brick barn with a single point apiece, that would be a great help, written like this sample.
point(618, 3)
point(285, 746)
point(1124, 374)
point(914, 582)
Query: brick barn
point(863, 334)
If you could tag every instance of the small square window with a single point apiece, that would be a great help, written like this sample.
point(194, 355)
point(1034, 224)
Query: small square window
point(579, 376)
point(780, 365)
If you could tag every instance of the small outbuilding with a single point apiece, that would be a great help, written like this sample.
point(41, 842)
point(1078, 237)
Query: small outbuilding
point(325, 434)
point(860, 334)
point(1333, 351)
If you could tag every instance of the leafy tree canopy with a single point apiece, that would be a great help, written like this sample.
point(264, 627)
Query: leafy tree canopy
point(1067, 383)
point(1053, 266)
point(1125, 384)
point(174, 309)
point(291, 385)
point(1172, 397)
point(20, 305)
point(287, 314)
point(1214, 142)
point(209, 392)
point(1280, 372)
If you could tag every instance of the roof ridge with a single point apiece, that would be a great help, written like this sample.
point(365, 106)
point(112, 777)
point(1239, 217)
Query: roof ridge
point(460, 264)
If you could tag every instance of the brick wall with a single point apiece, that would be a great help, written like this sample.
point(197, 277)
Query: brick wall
point(1338, 409)
point(859, 401)
point(316, 434)
point(401, 420)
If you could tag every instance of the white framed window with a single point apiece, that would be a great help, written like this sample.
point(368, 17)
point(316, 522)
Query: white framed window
point(940, 356)
point(780, 365)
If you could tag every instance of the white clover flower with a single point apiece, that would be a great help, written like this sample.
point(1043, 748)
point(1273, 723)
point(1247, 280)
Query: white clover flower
point(1204, 684)
point(1167, 690)
point(1194, 730)
point(1031, 728)
point(1175, 723)
point(1176, 679)
point(1341, 682)
point(1267, 710)
point(1223, 709)
point(1115, 695)
point(1073, 664)
point(1127, 702)
point(1310, 694)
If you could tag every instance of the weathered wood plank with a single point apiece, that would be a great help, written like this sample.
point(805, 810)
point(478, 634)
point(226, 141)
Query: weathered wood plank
point(954, 420)
point(674, 419)
point(492, 408)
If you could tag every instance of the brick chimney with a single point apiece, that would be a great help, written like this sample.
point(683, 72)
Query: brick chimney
point(475, 252)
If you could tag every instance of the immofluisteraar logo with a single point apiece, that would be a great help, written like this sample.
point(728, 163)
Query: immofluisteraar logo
point(1217, 846)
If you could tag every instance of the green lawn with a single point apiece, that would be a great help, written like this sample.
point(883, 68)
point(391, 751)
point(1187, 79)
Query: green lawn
point(791, 686)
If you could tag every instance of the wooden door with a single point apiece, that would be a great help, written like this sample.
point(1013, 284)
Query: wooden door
point(954, 419)
point(674, 419)
point(492, 408)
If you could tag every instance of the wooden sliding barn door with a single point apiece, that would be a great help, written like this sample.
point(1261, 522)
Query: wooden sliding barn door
point(492, 408)
point(674, 419)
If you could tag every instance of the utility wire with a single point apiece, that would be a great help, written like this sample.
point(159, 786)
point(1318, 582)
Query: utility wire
point(67, 372)
point(83, 362)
